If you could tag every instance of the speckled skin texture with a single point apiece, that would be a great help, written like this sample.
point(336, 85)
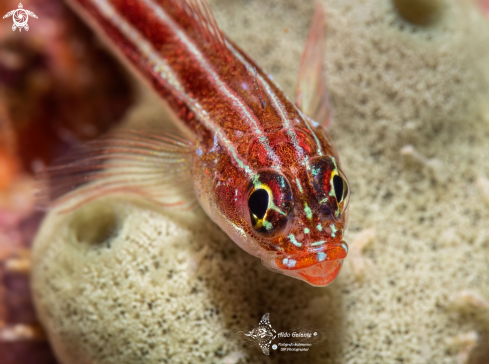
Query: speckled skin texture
point(412, 127)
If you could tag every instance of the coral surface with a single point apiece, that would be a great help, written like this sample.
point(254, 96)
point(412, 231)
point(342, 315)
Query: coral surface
point(121, 281)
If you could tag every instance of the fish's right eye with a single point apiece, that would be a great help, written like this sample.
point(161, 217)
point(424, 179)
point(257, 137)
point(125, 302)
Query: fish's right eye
point(340, 187)
point(269, 203)
point(258, 203)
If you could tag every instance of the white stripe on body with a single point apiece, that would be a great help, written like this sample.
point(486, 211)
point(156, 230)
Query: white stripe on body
point(161, 67)
point(225, 91)
point(279, 107)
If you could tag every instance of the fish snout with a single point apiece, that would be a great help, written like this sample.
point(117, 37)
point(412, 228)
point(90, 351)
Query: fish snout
point(317, 266)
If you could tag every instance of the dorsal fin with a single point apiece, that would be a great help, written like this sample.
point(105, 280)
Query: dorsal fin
point(202, 18)
point(484, 6)
point(312, 94)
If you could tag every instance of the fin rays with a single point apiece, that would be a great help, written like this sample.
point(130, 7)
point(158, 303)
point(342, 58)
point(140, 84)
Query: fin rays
point(156, 166)
point(312, 94)
point(202, 19)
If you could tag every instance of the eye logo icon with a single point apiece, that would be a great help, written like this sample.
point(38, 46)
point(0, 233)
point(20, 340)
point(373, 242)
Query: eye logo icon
point(264, 334)
point(20, 17)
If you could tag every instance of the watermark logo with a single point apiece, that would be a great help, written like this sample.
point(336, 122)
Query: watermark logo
point(20, 17)
point(293, 340)
point(263, 334)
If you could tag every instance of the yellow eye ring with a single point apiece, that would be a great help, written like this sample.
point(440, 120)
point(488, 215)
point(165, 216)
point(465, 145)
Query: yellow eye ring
point(339, 187)
point(270, 203)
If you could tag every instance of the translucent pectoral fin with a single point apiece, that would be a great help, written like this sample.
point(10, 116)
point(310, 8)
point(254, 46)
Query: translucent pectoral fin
point(153, 164)
point(312, 94)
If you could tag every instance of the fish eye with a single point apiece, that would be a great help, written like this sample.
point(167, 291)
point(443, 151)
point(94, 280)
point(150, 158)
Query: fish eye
point(269, 203)
point(258, 203)
point(329, 185)
point(340, 188)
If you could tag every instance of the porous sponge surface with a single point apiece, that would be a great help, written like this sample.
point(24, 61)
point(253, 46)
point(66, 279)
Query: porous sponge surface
point(411, 125)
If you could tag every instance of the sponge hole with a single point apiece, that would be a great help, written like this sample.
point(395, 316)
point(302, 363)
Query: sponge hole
point(95, 223)
point(419, 12)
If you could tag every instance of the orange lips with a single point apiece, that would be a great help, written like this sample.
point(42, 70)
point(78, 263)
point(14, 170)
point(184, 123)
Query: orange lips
point(318, 268)
point(323, 273)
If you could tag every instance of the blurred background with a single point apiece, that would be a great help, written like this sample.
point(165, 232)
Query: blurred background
point(58, 87)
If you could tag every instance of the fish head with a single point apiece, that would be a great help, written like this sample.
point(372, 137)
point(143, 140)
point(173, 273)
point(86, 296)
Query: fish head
point(291, 216)
point(298, 217)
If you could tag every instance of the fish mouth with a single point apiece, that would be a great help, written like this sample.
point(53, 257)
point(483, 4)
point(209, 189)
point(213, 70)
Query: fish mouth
point(321, 274)
point(318, 267)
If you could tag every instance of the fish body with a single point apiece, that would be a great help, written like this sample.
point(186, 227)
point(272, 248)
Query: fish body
point(262, 169)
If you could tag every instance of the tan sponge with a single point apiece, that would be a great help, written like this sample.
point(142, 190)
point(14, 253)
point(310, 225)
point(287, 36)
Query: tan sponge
point(121, 281)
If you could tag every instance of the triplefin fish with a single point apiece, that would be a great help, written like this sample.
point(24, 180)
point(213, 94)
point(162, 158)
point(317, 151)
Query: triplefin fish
point(263, 168)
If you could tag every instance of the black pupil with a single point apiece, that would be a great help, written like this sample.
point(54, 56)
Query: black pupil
point(338, 188)
point(258, 203)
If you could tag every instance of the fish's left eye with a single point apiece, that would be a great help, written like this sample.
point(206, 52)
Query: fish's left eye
point(340, 188)
point(269, 203)
point(329, 185)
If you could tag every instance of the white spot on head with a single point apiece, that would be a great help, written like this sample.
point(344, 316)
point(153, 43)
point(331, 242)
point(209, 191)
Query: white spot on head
point(299, 185)
point(333, 230)
point(215, 146)
point(321, 242)
point(321, 256)
point(289, 262)
point(293, 240)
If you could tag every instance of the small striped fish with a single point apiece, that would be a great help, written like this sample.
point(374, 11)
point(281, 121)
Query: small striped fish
point(262, 167)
